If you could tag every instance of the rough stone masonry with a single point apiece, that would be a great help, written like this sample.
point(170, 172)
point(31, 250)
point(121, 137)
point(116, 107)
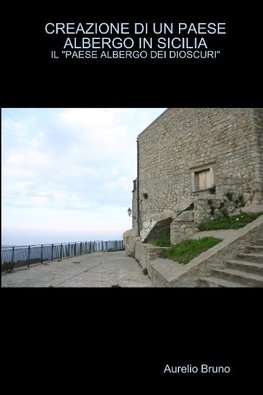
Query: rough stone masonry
point(190, 154)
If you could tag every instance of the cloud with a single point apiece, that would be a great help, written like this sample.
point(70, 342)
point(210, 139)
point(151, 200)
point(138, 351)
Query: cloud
point(65, 161)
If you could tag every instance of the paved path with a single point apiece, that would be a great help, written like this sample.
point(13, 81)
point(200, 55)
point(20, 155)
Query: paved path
point(99, 269)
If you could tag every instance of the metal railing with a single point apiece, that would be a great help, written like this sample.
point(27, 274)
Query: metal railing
point(15, 256)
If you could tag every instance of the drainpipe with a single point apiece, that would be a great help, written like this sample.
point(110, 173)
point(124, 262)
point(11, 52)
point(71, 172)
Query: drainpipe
point(138, 189)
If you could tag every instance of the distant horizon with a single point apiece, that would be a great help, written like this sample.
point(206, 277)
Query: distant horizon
point(22, 240)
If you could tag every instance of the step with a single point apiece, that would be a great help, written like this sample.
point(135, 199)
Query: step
point(245, 266)
point(252, 257)
point(254, 248)
point(247, 279)
point(216, 282)
point(259, 242)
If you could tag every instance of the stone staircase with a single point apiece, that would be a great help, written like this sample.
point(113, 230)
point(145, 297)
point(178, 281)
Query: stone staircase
point(246, 270)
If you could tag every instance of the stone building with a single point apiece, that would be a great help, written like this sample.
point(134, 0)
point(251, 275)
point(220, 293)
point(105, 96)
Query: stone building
point(193, 163)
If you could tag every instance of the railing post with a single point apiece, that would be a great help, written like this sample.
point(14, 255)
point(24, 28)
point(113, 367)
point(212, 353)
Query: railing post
point(68, 249)
point(52, 248)
point(28, 256)
point(42, 253)
point(61, 251)
point(13, 255)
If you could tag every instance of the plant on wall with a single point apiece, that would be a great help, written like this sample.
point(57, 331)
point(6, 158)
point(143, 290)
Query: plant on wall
point(212, 207)
point(229, 196)
point(230, 205)
point(145, 195)
point(212, 190)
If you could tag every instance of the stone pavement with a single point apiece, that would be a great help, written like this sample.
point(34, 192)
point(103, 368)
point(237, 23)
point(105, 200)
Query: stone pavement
point(99, 269)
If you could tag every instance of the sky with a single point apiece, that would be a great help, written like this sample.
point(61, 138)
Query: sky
point(67, 174)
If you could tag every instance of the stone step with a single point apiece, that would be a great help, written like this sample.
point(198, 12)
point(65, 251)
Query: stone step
point(259, 242)
point(216, 282)
point(238, 276)
point(254, 248)
point(251, 257)
point(245, 266)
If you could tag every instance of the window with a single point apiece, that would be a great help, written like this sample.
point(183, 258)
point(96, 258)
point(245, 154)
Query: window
point(203, 179)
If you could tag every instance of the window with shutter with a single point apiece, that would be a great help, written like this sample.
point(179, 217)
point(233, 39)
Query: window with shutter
point(203, 179)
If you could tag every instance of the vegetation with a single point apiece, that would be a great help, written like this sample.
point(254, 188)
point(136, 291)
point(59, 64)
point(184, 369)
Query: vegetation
point(145, 271)
point(186, 250)
point(229, 222)
point(161, 242)
point(8, 267)
point(116, 286)
point(229, 195)
point(212, 190)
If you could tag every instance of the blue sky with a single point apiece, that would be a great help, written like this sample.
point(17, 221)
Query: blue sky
point(67, 173)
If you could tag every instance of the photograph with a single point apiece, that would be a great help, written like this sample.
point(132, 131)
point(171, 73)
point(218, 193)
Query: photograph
point(126, 197)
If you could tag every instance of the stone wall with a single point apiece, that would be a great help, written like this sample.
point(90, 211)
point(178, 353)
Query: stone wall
point(145, 253)
point(183, 227)
point(183, 141)
point(258, 127)
point(134, 206)
point(130, 237)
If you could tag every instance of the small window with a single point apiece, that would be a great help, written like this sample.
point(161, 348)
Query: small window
point(203, 179)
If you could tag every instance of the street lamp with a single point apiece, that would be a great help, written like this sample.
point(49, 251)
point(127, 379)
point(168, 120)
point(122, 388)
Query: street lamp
point(129, 211)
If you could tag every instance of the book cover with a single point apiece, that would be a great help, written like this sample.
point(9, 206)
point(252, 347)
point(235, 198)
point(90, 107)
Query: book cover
point(111, 57)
